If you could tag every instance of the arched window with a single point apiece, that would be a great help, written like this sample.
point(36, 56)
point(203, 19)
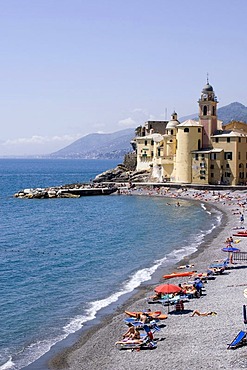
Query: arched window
point(213, 111)
point(205, 110)
point(186, 129)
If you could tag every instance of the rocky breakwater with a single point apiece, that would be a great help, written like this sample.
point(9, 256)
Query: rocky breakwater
point(121, 173)
point(65, 191)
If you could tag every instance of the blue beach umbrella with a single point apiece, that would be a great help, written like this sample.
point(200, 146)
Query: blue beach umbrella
point(230, 249)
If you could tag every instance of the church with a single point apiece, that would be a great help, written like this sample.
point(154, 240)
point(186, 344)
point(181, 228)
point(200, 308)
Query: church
point(194, 152)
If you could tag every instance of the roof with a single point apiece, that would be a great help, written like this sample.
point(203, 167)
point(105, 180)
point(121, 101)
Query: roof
point(207, 151)
point(155, 137)
point(189, 122)
point(232, 133)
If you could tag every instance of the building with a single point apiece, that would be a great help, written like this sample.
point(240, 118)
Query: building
point(194, 152)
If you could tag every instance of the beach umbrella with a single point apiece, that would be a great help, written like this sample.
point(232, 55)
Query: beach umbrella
point(230, 249)
point(167, 289)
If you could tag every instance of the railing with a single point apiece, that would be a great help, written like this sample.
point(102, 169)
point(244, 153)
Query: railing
point(239, 256)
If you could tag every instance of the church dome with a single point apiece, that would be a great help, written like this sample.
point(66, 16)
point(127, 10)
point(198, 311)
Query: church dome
point(207, 88)
point(173, 121)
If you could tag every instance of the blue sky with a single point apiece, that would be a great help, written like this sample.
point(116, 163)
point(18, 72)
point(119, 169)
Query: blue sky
point(73, 67)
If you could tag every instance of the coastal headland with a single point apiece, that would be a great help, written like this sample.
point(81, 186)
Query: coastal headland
point(184, 342)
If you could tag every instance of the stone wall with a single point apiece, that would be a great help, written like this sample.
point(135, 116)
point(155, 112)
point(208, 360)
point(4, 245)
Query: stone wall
point(130, 161)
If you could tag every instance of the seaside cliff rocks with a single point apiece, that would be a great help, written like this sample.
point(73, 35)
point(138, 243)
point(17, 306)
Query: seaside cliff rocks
point(122, 174)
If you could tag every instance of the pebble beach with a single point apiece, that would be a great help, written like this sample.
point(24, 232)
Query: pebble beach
point(184, 342)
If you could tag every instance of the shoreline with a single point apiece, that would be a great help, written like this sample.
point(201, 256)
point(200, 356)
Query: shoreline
point(81, 354)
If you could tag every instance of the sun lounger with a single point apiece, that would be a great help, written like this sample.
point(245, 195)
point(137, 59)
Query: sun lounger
point(239, 340)
point(146, 341)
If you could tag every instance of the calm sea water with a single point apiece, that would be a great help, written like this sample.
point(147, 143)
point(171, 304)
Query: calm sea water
point(63, 260)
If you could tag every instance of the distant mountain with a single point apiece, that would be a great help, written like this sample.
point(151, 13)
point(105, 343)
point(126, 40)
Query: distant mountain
point(99, 146)
point(234, 111)
point(117, 144)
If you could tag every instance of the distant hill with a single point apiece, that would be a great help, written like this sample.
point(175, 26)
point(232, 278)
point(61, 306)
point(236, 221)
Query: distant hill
point(99, 146)
point(234, 111)
point(117, 144)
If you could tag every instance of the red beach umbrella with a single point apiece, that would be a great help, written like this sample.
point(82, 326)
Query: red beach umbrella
point(167, 289)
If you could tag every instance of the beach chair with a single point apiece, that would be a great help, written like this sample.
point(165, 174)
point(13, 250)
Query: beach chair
point(147, 339)
point(239, 340)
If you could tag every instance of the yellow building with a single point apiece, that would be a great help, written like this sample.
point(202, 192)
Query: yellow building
point(194, 152)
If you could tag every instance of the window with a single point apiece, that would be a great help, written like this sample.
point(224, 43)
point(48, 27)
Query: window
point(212, 166)
point(205, 110)
point(202, 165)
point(197, 157)
point(239, 155)
point(202, 156)
point(202, 177)
point(227, 174)
point(227, 165)
point(239, 139)
point(146, 142)
point(212, 175)
point(152, 142)
point(213, 156)
point(186, 129)
point(152, 153)
point(158, 152)
point(199, 144)
point(228, 139)
point(228, 155)
point(216, 139)
point(171, 132)
point(199, 130)
point(202, 172)
point(213, 111)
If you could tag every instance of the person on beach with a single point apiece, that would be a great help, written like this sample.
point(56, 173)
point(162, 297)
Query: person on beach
point(143, 317)
point(131, 333)
point(198, 313)
point(180, 306)
point(242, 218)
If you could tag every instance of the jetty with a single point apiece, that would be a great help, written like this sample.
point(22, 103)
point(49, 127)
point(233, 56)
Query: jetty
point(66, 191)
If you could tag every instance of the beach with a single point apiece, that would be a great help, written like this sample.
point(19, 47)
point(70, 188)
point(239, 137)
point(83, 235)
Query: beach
point(184, 342)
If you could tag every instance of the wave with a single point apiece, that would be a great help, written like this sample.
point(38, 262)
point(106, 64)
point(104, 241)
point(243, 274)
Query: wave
point(205, 208)
point(127, 287)
point(8, 365)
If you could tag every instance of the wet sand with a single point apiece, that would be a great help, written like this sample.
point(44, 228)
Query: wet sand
point(184, 342)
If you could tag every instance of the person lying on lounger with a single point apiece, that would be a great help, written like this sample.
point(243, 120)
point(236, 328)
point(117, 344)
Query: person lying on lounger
point(198, 313)
point(132, 333)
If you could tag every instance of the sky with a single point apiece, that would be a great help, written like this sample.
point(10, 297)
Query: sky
point(73, 67)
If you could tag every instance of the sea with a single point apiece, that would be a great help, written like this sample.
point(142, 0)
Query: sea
point(63, 261)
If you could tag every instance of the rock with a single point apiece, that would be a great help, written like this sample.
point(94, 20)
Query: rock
point(122, 174)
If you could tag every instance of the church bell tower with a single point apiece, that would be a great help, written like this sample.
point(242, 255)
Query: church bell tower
point(208, 114)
